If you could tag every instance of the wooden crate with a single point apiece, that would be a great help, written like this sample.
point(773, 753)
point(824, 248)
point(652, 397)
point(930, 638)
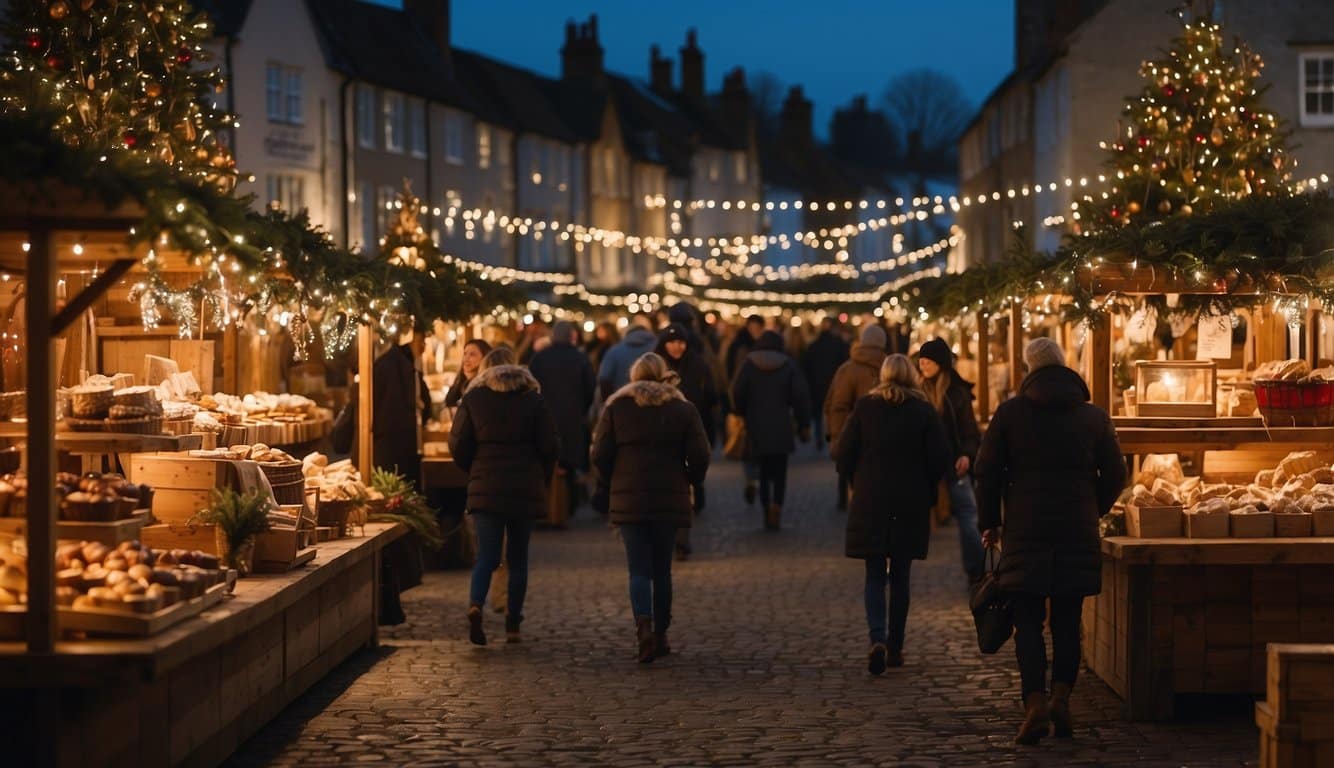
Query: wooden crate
point(1153, 522)
point(182, 485)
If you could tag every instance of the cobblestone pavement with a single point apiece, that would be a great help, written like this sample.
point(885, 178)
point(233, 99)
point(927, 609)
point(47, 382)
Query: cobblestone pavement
point(769, 668)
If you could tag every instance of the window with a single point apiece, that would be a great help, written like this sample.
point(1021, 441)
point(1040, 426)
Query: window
point(282, 93)
point(739, 166)
point(416, 127)
point(454, 138)
point(285, 192)
point(366, 116)
point(1317, 88)
point(483, 146)
point(393, 122)
point(384, 211)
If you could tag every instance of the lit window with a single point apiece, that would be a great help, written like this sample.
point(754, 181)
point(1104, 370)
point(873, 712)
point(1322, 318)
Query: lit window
point(416, 127)
point(393, 122)
point(366, 116)
point(454, 138)
point(1317, 88)
point(483, 146)
point(273, 92)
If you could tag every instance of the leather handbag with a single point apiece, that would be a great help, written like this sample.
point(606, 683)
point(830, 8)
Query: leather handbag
point(993, 613)
point(738, 443)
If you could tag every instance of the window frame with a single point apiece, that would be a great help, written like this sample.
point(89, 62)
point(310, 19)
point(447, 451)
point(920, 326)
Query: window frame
point(1319, 119)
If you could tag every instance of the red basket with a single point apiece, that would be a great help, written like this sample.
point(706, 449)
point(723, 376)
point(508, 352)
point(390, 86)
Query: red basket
point(1296, 403)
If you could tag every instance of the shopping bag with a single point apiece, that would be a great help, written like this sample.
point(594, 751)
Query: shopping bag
point(738, 444)
point(993, 613)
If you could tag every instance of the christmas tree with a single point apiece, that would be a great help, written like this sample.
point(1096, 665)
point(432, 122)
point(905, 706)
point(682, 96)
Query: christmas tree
point(122, 77)
point(1196, 133)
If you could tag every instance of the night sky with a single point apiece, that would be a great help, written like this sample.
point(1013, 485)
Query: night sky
point(836, 49)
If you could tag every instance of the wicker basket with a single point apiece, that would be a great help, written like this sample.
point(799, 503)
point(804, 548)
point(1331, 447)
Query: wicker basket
point(1296, 403)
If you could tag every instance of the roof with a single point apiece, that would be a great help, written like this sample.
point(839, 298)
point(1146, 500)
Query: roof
point(387, 47)
point(228, 16)
point(512, 97)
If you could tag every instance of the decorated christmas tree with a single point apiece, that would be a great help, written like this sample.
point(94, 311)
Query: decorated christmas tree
point(120, 76)
point(1197, 133)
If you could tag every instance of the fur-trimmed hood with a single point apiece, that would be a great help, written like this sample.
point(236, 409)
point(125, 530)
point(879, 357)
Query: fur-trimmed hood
point(505, 378)
point(648, 393)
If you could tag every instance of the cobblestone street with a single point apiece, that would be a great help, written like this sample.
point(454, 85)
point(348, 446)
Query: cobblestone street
point(769, 668)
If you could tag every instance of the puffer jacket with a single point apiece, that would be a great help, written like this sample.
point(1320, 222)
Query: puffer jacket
point(504, 438)
point(649, 448)
point(853, 379)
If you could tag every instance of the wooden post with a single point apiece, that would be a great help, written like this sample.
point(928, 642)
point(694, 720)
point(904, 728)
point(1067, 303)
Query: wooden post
point(365, 365)
point(983, 365)
point(1016, 346)
point(41, 383)
point(1100, 363)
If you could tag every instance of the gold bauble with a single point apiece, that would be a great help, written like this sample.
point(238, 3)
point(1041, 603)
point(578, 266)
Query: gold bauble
point(59, 10)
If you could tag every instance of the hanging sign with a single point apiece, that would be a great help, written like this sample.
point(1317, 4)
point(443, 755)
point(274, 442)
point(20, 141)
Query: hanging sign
point(1215, 338)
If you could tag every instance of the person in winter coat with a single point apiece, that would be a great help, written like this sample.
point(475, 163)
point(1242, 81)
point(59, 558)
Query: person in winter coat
point(953, 398)
point(469, 366)
point(649, 450)
point(614, 372)
point(1052, 460)
point(893, 450)
point(400, 405)
point(770, 393)
point(566, 378)
point(504, 438)
point(859, 375)
point(696, 384)
point(821, 361)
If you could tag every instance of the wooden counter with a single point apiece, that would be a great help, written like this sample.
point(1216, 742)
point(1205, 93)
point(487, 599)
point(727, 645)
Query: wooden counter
point(1195, 616)
point(193, 693)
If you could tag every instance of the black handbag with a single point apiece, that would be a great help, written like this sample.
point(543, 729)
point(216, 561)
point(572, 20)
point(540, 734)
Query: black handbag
point(992, 611)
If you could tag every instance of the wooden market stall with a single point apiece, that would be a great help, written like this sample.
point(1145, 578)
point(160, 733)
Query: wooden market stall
point(207, 661)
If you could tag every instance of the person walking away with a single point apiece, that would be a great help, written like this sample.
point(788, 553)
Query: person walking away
point(696, 384)
point(742, 345)
point(614, 372)
point(822, 361)
point(893, 450)
point(770, 393)
point(504, 438)
point(953, 398)
point(649, 449)
point(853, 379)
point(566, 379)
point(1051, 460)
point(469, 367)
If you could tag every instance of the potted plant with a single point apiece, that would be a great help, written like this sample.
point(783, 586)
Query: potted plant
point(239, 518)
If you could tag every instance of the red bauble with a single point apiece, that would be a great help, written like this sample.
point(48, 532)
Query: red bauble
point(184, 56)
point(34, 41)
point(130, 140)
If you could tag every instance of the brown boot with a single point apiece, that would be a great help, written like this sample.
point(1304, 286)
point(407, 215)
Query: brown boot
point(773, 517)
point(475, 633)
point(644, 632)
point(1061, 724)
point(1037, 720)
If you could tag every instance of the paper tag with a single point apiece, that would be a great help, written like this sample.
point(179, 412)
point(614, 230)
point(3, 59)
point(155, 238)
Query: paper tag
point(1215, 338)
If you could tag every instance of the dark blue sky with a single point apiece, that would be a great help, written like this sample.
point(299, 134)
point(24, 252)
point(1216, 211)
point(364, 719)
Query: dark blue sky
point(834, 48)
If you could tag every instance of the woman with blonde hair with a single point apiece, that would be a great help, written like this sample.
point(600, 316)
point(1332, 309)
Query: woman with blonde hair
point(649, 448)
point(893, 451)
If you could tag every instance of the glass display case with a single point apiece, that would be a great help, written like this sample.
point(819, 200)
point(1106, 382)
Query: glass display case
point(1182, 388)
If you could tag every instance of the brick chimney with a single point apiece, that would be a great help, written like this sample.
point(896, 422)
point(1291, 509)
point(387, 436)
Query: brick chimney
point(581, 56)
point(795, 120)
point(735, 103)
point(692, 68)
point(660, 71)
point(433, 17)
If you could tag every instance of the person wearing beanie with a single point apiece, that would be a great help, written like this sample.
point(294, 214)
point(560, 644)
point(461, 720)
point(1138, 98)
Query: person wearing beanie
point(853, 379)
point(820, 363)
point(696, 383)
point(1048, 468)
point(566, 379)
point(649, 450)
point(770, 394)
point(953, 399)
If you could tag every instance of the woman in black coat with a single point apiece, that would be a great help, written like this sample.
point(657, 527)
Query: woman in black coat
point(770, 393)
point(893, 451)
point(504, 438)
point(1053, 460)
point(649, 448)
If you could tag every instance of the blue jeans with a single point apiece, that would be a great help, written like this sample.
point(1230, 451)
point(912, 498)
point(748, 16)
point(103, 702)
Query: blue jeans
point(900, 570)
point(963, 506)
point(648, 552)
point(491, 536)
